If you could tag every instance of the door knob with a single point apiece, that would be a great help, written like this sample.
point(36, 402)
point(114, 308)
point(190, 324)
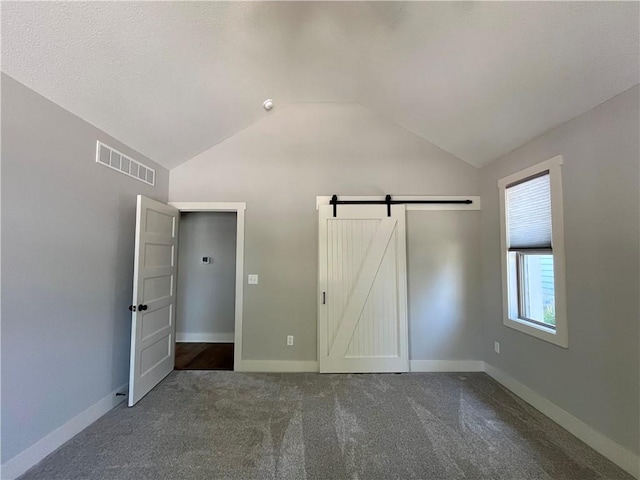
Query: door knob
point(142, 307)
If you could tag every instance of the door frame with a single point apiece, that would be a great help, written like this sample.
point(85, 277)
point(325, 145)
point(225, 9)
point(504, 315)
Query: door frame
point(238, 208)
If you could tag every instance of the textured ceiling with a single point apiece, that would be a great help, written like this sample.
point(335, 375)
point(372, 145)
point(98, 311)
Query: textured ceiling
point(172, 79)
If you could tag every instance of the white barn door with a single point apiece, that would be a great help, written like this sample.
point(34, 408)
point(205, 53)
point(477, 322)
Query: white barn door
point(154, 297)
point(362, 317)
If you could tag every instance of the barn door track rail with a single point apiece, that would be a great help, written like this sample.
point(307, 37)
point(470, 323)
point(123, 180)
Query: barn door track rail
point(388, 201)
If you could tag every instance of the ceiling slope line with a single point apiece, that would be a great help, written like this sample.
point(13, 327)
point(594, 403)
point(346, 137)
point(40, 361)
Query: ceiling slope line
point(232, 135)
point(415, 134)
point(559, 125)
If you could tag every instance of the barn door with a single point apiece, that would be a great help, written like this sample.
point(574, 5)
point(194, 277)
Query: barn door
point(154, 296)
point(362, 318)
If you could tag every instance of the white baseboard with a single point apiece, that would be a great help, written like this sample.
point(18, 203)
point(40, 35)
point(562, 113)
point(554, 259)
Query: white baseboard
point(312, 366)
point(277, 366)
point(446, 366)
point(205, 337)
point(29, 457)
point(625, 459)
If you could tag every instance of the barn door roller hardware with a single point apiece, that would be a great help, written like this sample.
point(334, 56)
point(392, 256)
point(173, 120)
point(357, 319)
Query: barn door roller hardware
point(388, 201)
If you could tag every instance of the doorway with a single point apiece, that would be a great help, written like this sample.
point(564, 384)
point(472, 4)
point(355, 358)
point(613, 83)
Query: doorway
point(210, 228)
point(205, 302)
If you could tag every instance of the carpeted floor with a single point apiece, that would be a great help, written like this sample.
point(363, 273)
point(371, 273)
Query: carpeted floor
point(226, 425)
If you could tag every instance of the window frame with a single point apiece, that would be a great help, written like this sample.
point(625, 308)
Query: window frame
point(520, 279)
point(509, 259)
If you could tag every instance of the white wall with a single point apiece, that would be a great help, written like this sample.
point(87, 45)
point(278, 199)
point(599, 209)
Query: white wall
point(279, 165)
point(596, 379)
point(67, 266)
point(206, 293)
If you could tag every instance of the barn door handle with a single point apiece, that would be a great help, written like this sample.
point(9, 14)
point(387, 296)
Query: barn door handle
point(142, 307)
point(132, 308)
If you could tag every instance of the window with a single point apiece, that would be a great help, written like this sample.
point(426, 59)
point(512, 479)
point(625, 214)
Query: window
point(533, 252)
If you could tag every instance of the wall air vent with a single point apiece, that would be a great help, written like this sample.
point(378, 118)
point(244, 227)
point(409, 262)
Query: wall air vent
point(110, 157)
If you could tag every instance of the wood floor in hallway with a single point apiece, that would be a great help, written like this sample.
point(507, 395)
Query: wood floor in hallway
point(204, 356)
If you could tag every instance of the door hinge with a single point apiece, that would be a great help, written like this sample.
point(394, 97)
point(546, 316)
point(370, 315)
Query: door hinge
point(324, 298)
point(132, 308)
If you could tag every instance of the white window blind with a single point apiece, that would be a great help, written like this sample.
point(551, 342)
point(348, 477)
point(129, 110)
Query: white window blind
point(529, 213)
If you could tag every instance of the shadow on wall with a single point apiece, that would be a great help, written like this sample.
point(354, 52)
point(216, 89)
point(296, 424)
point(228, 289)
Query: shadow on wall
point(123, 288)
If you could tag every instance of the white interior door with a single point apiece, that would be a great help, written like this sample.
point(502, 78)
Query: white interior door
point(154, 296)
point(362, 324)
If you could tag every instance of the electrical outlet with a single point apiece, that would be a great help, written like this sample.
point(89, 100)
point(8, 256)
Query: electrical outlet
point(496, 347)
point(253, 279)
point(289, 340)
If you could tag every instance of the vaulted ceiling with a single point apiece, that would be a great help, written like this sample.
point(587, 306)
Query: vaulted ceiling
point(172, 79)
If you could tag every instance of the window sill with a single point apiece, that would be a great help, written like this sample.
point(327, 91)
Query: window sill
point(547, 334)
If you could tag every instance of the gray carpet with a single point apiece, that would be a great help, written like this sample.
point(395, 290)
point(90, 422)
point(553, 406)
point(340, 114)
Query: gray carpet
point(226, 425)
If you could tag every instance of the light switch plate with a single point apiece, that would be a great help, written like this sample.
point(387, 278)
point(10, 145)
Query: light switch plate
point(253, 279)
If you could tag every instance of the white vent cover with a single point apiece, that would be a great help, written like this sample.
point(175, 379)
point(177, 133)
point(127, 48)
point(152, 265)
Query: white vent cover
point(110, 157)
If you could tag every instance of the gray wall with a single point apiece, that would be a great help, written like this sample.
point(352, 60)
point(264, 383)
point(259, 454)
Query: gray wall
point(443, 262)
point(280, 164)
point(67, 266)
point(206, 293)
point(596, 378)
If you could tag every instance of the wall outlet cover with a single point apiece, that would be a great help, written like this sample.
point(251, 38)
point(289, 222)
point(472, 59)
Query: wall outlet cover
point(496, 347)
point(253, 279)
point(289, 340)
